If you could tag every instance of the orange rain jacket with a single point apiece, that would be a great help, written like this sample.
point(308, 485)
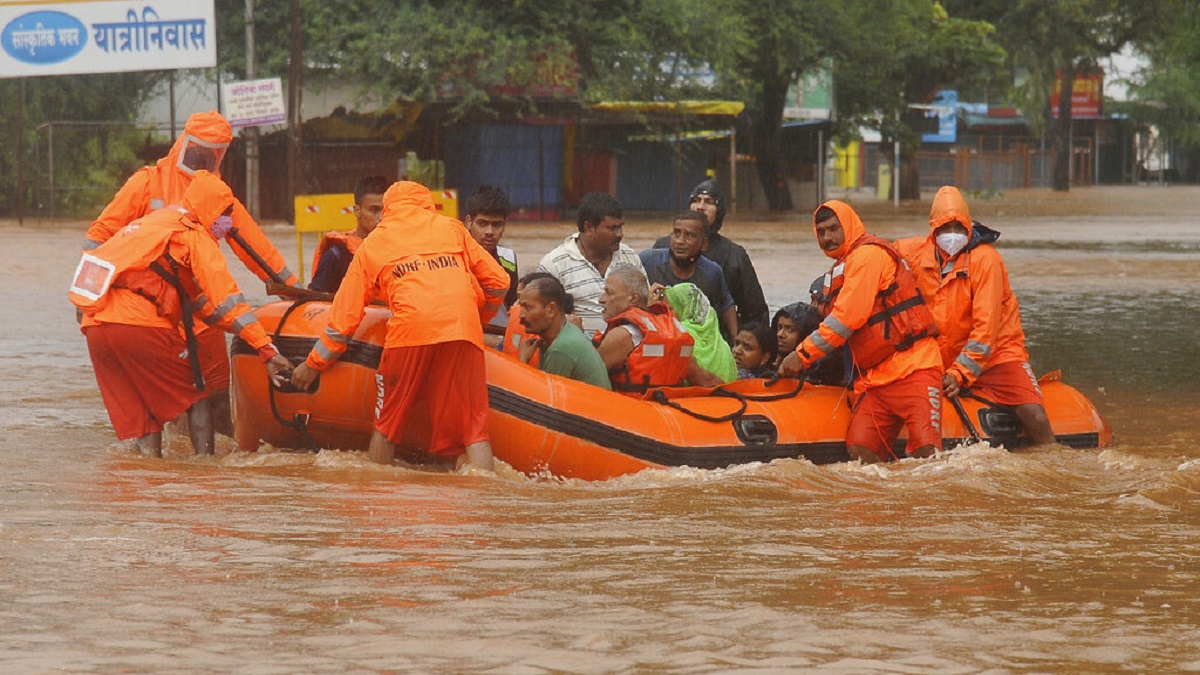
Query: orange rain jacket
point(440, 284)
point(867, 271)
point(975, 309)
point(154, 187)
point(140, 297)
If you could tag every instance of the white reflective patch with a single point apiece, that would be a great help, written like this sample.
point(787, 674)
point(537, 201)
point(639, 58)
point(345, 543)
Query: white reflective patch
point(156, 204)
point(654, 350)
point(649, 325)
point(685, 351)
point(93, 277)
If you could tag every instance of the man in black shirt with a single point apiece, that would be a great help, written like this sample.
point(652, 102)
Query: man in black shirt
point(740, 276)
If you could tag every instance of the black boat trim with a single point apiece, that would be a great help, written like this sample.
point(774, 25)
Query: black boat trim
point(651, 450)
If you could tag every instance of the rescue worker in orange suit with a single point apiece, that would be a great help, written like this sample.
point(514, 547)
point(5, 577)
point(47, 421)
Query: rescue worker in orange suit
point(963, 278)
point(333, 254)
point(645, 345)
point(139, 289)
point(440, 285)
point(870, 301)
point(201, 146)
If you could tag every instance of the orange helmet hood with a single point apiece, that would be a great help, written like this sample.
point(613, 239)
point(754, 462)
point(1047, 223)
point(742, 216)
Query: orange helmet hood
point(949, 206)
point(207, 197)
point(407, 194)
point(852, 226)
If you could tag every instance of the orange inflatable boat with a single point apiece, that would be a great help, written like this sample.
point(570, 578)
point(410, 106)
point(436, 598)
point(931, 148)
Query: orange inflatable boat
point(544, 424)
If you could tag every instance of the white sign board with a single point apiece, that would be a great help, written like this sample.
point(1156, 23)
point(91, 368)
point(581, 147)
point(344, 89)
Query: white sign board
point(72, 38)
point(253, 103)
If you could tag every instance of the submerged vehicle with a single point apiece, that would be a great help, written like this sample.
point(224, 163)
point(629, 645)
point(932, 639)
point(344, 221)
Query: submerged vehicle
point(544, 424)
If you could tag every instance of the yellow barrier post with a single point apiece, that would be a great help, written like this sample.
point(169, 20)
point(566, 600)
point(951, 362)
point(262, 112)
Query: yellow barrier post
point(446, 202)
point(322, 213)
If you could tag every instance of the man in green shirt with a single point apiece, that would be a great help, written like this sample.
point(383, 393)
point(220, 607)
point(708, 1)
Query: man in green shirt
point(562, 349)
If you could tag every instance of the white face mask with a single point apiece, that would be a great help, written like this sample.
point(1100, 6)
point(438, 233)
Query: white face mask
point(951, 242)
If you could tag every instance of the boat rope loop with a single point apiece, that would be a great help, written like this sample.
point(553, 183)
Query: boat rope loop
point(298, 422)
point(660, 396)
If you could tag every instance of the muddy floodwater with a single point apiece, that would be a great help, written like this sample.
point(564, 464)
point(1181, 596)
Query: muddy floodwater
point(980, 560)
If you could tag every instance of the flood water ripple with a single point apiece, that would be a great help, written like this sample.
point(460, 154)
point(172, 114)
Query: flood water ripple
point(980, 560)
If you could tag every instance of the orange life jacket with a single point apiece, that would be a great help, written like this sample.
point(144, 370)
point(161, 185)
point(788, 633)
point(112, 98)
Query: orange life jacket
point(663, 357)
point(330, 239)
point(898, 319)
point(125, 261)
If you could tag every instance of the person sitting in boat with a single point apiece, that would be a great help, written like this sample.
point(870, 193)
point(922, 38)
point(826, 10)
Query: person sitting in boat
point(754, 350)
point(584, 259)
point(487, 216)
point(873, 306)
point(439, 284)
point(645, 345)
point(137, 291)
point(684, 262)
point(964, 280)
point(559, 345)
point(793, 322)
point(735, 263)
point(515, 333)
point(691, 307)
point(335, 250)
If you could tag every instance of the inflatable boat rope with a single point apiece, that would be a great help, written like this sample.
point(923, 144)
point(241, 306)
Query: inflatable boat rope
point(299, 420)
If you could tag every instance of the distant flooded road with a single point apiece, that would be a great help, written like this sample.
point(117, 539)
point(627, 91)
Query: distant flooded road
point(982, 560)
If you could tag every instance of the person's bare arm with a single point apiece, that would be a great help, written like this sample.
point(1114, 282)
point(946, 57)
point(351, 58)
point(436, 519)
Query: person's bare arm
point(615, 348)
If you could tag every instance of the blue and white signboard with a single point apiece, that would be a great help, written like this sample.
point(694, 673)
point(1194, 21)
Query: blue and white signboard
point(73, 38)
point(945, 109)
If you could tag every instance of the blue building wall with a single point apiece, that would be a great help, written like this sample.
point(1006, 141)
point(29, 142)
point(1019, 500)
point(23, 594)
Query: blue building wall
point(523, 160)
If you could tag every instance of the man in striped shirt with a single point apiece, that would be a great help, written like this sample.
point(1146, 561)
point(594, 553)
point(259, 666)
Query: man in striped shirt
point(584, 259)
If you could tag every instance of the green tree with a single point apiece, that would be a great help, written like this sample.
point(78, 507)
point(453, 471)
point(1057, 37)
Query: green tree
point(1165, 94)
point(101, 158)
point(903, 54)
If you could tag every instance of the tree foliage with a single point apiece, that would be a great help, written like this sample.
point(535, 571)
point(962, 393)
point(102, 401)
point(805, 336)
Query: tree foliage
point(96, 158)
point(462, 51)
point(1166, 94)
point(905, 52)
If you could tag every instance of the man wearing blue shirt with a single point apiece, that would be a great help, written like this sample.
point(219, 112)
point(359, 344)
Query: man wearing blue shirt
point(683, 261)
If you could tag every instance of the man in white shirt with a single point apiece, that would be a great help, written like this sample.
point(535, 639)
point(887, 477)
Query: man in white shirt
point(584, 259)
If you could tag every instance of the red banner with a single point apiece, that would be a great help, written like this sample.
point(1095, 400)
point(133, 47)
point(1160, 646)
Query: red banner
point(1087, 95)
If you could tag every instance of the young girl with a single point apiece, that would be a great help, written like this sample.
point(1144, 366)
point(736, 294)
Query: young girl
point(791, 325)
point(754, 351)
